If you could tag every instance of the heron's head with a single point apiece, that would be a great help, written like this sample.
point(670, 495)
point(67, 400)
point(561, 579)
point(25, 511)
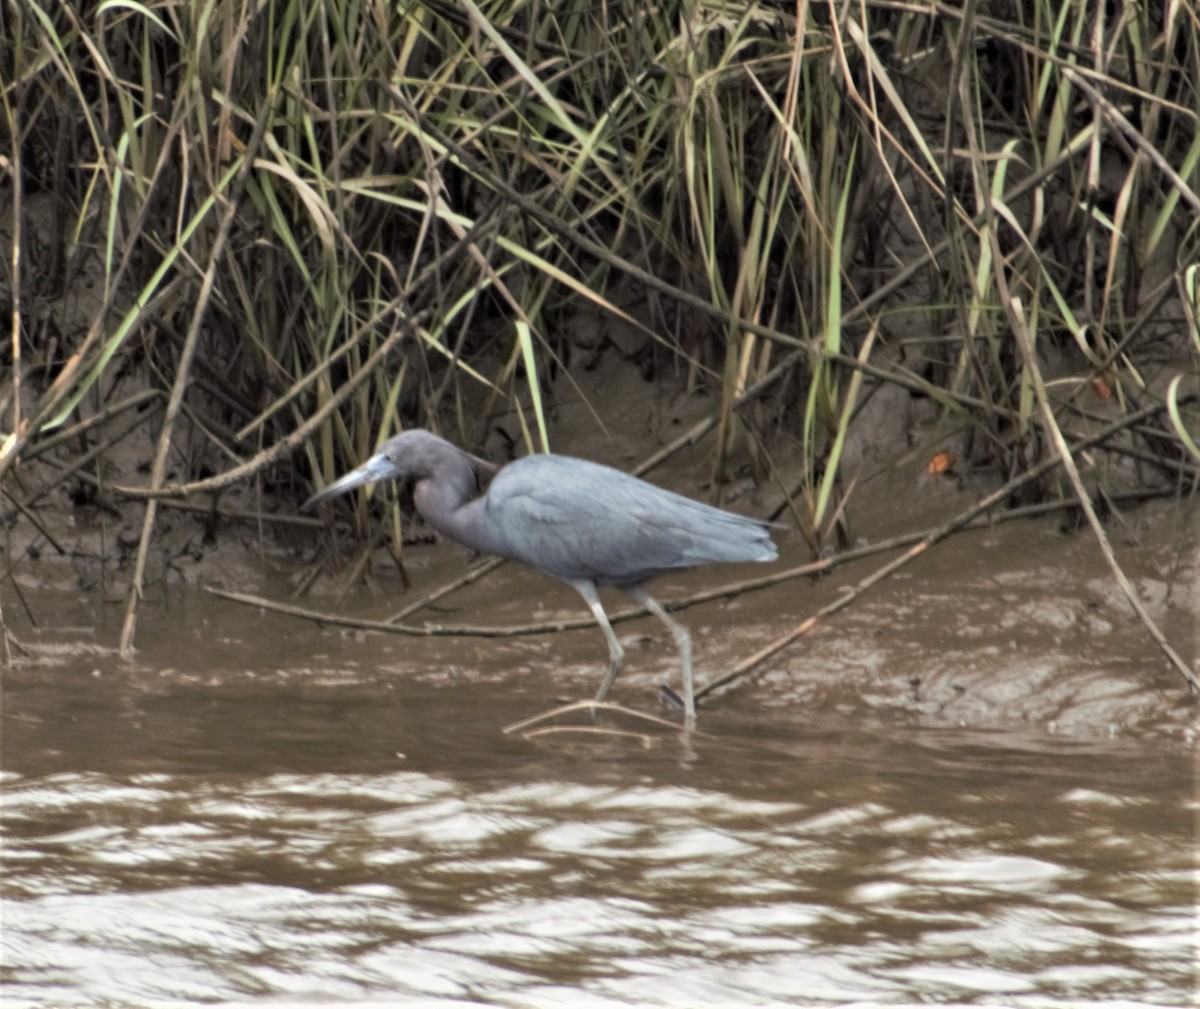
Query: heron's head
point(413, 455)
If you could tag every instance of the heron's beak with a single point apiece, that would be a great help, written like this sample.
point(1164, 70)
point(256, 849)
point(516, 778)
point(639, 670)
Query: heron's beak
point(378, 467)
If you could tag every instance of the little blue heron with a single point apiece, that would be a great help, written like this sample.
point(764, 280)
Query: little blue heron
point(580, 522)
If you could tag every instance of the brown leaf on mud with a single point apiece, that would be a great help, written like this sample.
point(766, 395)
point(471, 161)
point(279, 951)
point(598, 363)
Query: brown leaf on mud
point(942, 464)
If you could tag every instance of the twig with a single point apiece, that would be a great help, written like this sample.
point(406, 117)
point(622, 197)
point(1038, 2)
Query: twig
point(1134, 135)
point(1175, 467)
point(32, 517)
point(392, 626)
point(646, 740)
point(37, 448)
point(182, 376)
point(29, 614)
point(486, 568)
point(219, 510)
point(427, 631)
point(1016, 316)
point(67, 470)
point(593, 706)
point(8, 640)
point(828, 564)
point(64, 382)
point(279, 449)
point(748, 665)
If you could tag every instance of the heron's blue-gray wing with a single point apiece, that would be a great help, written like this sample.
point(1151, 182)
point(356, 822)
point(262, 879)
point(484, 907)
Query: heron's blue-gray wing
point(576, 519)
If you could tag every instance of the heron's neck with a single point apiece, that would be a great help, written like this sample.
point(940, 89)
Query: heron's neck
point(448, 499)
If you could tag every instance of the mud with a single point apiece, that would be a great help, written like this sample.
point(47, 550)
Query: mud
point(1017, 625)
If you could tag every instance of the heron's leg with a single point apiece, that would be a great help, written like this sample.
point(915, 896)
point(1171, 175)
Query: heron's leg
point(616, 654)
point(683, 641)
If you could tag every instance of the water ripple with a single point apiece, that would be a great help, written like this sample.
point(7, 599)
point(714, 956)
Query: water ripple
point(820, 881)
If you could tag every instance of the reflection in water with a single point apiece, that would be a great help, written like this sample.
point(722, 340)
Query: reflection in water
point(206, 840)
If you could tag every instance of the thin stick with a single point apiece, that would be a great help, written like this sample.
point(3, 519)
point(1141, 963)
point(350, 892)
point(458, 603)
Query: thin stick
point(593, 706)
point(66, 471)
point(32, 517)
point(486, 568)
point(37, 448)
point(1016, 314)
point(219, 510)
point(728, 590)
point(1134, 135)
point(1176, 467)
point(589, 730)
point(17, 283)
point(8, 639)
point(184, 367)
point(64, 382)
point(748, 665)
point(407, 630)
point(830, 563)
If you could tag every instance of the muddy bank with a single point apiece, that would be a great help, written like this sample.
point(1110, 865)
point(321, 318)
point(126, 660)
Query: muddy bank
point(1019, 625)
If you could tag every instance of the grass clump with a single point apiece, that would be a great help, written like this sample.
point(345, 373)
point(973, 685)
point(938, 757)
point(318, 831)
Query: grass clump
point(307, 224)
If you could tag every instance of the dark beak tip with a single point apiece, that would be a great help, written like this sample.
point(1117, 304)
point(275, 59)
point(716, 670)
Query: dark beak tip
point(315, 501)
point(335, 489)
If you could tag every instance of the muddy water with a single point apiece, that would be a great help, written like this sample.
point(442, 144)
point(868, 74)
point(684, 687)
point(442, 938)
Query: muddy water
point(257, 809)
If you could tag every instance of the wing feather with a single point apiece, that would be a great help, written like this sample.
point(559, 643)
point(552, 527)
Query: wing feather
point(577, 519)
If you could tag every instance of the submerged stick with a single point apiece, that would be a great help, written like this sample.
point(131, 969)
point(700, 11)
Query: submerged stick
point(647, 741)
point(407, 630)
point(585, 705)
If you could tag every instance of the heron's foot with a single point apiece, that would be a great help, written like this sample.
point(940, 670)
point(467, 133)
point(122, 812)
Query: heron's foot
point(610, 677)
point(676, 703)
